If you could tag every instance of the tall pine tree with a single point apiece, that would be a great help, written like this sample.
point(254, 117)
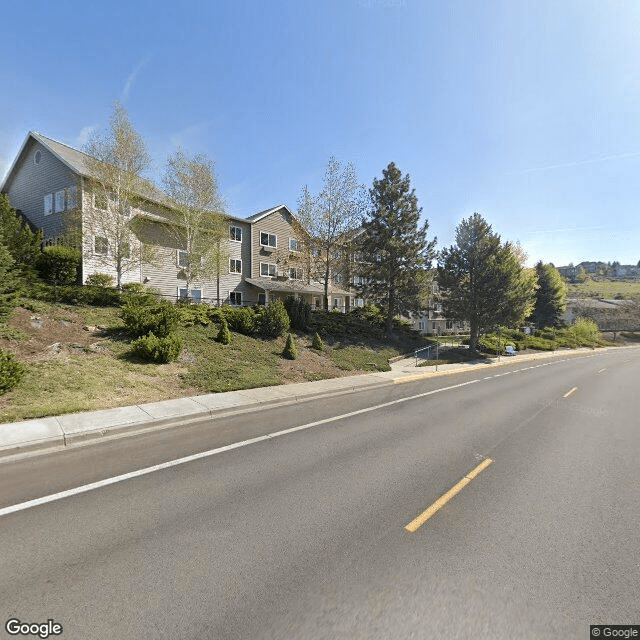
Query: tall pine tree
point(394, 247)
point(551, 297)
point(483, 280)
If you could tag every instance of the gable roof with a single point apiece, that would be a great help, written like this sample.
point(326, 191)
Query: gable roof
point(80, 163)
point(263, 214)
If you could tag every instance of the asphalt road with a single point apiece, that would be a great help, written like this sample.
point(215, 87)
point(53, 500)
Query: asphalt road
point(302, 535)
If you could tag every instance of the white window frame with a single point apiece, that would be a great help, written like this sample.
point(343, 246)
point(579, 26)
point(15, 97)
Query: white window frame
point(294, 245)
point(238, 298)
point(234, 262)
point(269, 236)
point(337, 303)
point(180, 253)
point(269, 265)
point(95, 246)
point(296, 273)
point(196, 295)
point(337, 278)
point(358, 302)
point(48, 204)
point(234, 230)
point(59, 200)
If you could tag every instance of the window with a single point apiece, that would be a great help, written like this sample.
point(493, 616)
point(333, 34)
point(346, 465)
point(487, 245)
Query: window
point(262, 298)
point(48, 204)
point(294, 244)
point(268, 239)
point(336, 255)
point(71, 198)
point(60, 201)
point(358, 280)
point(315, 253)
point(422, 325)
point(358, 302)
point(196, 295)
point(337, 278)
point(433, 326)
point(316, 303)
point(101, 245)
point(449, 324)
point(235, 266)
point(235, 298)
point(183, 259)
point(268, 270)
point(99, 200)
point(37, 157)
point(295, 273)
point(336, 303)
point(378, 257)
point(235, 234)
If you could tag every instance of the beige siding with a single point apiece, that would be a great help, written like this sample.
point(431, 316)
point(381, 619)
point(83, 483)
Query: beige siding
point(280, 224)
point(164, 275)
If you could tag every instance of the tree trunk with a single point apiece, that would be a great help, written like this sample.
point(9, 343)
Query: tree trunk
point(473, 337)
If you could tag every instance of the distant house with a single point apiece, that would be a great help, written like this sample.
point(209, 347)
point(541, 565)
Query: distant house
point(49, 180)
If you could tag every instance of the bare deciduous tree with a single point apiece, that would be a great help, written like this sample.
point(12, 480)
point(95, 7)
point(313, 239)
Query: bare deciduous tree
point(116, 159)
point(200, 225)
point(329, 220)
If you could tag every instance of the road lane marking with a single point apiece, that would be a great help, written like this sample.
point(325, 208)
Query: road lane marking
point(206, 454)
point(566, 395)
point(603, 369)
point(416, 523)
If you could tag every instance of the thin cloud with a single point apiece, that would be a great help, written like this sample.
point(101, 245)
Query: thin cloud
point(128, 85)
point(564, 230)
point(85, 135)
point(618, 156)
point(183, 137)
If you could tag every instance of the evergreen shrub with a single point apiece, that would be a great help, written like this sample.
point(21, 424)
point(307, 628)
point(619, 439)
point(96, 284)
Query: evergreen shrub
point(11, 371)
point(290, 348)
point(99, 280)
point(275, 320)
point(158, 350)
point(299, 312)
point(161, 318)
point(240, 319)
point(224, 335)
point(59, 265)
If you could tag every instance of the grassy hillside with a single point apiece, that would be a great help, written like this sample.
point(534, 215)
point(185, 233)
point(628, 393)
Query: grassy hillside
point(607, 289)
point(78, 358)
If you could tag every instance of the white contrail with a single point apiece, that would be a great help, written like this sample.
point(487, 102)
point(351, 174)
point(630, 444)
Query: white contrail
point(132, 76)
point(618, 156)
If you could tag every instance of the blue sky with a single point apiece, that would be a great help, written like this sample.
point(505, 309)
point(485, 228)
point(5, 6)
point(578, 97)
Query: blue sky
point(525, 111)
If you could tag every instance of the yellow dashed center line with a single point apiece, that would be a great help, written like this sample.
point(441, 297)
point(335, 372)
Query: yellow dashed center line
point(416, 523)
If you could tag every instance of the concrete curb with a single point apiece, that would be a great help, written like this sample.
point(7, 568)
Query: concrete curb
point(45, 434)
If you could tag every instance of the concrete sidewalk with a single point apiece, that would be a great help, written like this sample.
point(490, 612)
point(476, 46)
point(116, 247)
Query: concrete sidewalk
point(31, 436)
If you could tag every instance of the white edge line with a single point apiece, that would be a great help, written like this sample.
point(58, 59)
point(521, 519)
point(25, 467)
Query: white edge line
point(206, 454)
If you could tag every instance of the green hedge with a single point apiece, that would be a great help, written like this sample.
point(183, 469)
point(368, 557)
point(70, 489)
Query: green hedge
point(159, 350)
point(161, 318)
